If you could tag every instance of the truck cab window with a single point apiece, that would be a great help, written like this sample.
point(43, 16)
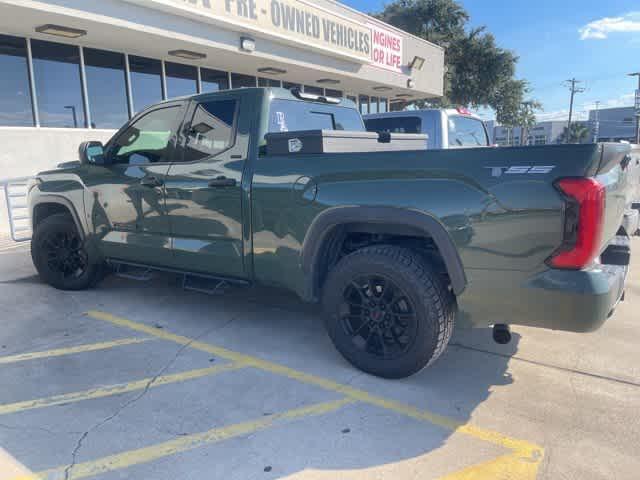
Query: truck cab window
point(212, 129)
point(147, 140)
point(394, 125)
point(291, 115)
point(466, 132)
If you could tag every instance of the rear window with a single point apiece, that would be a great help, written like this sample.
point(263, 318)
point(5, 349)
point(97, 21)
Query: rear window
point(395, 125)
point(466, 132)
point(292, 115)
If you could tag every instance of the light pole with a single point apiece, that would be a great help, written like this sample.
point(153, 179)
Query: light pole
point(75, 116)
point(596, 125)
point(637, 106)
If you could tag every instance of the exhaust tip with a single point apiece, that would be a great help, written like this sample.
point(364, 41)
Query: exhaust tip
point(502, 334)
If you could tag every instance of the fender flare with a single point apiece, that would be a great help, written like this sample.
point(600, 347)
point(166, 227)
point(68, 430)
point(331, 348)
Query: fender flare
point(416, 220)
point(42, 199)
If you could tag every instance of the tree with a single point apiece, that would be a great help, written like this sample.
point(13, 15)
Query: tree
point(579, 133)
point(478, 73)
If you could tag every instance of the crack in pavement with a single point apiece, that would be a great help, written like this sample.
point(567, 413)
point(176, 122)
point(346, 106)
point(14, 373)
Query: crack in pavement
point(74, 455)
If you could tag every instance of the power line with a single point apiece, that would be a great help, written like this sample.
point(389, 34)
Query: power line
point(573, 86)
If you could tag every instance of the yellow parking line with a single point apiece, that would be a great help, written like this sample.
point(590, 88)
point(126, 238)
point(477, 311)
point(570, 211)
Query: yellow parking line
point(507, 467)
point(524, 454)
point(186, 443)
point(59, 352)
point(114, 389)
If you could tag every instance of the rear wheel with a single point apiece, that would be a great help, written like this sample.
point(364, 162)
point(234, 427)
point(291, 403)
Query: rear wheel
point(387, 311)
point(60, 255)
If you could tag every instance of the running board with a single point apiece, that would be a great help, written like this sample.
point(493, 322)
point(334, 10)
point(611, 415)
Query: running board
point(191, 281)
point(204, 285)
point(138, 274)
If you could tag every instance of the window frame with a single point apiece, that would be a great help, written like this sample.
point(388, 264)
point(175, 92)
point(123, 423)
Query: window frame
point(89, 86)
point(463, 117)
point(37, 97)
point(173, 139)
point(186, 125)
point(30, 84)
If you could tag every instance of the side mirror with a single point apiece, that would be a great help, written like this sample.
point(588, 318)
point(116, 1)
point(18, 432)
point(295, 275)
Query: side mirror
point(92, 153)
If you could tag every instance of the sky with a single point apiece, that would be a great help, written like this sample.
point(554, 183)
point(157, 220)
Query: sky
point(597, 42)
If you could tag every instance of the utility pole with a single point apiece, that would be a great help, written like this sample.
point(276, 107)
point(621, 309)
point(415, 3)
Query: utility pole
point(637, 74)
point(573, 86)
point(596, 125)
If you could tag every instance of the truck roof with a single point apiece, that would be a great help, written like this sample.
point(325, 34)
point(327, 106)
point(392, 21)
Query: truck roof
point(423, 113)
point(274, 92)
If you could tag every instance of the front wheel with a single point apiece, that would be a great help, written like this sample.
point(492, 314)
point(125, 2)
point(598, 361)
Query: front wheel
point(387, 311)
point(60, 255)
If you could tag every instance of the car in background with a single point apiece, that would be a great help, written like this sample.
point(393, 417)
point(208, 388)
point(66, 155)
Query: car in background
point(447, 128)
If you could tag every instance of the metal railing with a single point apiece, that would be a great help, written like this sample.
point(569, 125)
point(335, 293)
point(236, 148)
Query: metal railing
point(15, 195)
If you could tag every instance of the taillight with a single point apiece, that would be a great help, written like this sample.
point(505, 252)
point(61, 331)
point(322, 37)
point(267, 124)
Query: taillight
point(584, 217)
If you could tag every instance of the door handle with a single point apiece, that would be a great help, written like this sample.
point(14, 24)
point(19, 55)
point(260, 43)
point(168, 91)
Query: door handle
point(151, 182)
point(223, 182)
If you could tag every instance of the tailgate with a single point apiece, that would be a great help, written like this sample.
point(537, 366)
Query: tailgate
point(618, 172)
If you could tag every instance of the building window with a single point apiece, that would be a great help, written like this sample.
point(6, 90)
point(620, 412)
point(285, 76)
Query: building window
point(353, 99)
point(213, 80)
point(106, 87)
point(15, 94)
point(146, 81)
point(364, 105)
point(313, 90)
point(291, 86)
point(56, 68)
point(384, 106)
point(373, 105)
point(242, 81)
point(181, 79)
point(334, 93)
point(268, 82)
point(540, 140)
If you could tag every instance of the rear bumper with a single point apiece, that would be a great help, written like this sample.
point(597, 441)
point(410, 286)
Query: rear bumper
point(568, 300)
point(575, 301)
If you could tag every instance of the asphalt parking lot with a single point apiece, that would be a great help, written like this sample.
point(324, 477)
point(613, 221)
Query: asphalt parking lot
point(146, 381)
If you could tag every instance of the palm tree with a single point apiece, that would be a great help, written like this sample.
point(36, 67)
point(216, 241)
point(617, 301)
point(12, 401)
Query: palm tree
point(580, 133)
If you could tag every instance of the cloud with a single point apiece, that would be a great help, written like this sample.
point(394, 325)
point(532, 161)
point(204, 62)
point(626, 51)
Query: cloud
point(600, 29)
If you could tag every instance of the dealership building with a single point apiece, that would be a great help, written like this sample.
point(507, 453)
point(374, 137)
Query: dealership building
point(78, 69)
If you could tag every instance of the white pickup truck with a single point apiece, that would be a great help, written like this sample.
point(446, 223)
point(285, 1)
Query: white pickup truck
point(446, 128)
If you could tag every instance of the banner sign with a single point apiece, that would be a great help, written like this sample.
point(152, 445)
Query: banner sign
point(302, 22)
point(387, 49)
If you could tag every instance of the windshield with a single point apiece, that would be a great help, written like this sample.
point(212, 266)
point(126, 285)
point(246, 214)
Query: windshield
point(294, 115)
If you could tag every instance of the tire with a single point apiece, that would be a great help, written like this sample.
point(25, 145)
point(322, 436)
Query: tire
point(60, 255)
point(403, 308)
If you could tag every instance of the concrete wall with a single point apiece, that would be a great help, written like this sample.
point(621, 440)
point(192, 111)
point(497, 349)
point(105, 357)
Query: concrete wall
point(27, 151)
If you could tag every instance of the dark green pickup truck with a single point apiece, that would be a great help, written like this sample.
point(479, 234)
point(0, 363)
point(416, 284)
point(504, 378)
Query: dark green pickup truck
point(398, 245)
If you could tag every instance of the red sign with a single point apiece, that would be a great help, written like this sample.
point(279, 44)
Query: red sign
point(386, 51)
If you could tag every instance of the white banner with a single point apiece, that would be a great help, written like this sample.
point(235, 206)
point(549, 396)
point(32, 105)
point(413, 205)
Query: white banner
point(386, 49)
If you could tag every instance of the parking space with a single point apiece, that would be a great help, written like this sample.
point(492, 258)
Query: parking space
point(146, 381)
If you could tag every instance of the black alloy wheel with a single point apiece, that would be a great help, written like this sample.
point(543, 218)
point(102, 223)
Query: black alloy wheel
point(378, 316)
